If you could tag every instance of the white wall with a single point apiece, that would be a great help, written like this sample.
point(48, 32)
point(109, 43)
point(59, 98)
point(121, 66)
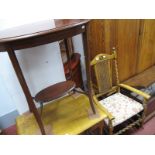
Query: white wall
point(42, 66)
point(6, 105)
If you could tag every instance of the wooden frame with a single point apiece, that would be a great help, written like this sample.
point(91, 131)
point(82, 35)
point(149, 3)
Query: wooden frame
point(64, 29)
point(104, 57)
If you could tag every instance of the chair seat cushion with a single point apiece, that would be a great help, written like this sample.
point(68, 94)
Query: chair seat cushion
point(121, 107)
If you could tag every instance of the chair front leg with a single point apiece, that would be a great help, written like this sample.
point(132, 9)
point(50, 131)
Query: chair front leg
point(111, 128)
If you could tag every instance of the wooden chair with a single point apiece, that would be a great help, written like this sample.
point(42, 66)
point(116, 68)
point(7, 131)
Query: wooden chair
point(123, 111)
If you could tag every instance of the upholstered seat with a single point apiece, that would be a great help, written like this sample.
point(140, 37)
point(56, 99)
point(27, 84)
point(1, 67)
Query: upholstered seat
point(121, 107)
point(111, 96)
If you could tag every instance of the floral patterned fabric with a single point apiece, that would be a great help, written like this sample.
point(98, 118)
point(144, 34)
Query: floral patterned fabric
point(121, 107)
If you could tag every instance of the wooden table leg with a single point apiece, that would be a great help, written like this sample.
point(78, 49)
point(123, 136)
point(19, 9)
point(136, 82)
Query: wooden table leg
point(88, 71)
point(25, 88)
point(68, 58)
point(97, 128)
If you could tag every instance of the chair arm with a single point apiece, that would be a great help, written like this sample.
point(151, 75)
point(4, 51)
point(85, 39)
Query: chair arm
point(102, 108)
point(143, 94)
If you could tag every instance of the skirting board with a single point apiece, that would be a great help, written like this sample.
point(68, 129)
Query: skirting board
point(8, 119)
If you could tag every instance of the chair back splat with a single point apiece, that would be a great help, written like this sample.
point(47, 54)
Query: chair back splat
point(106, 72)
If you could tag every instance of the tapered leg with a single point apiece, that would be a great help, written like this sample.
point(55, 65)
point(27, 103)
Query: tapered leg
point(88, 70)
point(110, 127)
point(25, 88)
point(68, 58)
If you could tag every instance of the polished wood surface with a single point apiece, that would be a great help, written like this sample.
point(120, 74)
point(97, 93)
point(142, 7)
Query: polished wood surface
point(32, 35)
point(146, 54)
point(38, 28)
point(100, 36)
point(54, 91)
point(127, 33)
point(122, 34)
point(74, 65)
point(85, 39)
point(25, 88)
point(143, 79)
point(76, 70)
point(134, 41)
point(75, 60)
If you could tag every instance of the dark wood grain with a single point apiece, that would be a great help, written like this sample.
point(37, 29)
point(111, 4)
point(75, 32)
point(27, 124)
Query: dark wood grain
point(101, 36)
point(122, 34)
point(25, 88)
point(127, 35)
point(64, 29)
point(146, 54)
point(55, 91)
point(144, 79)
point(76, 70)
point(68, 57)
point(88, 69)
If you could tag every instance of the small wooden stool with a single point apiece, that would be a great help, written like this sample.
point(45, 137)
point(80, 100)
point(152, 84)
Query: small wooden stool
point(54, 92)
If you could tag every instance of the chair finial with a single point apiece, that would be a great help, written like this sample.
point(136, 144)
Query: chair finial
point(114, 51)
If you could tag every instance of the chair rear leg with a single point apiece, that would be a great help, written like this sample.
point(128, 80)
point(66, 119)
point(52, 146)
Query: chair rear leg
point(144, 113)
point(110, 127)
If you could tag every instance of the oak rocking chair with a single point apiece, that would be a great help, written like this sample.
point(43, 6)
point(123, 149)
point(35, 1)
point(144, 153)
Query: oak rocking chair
point(123, 111)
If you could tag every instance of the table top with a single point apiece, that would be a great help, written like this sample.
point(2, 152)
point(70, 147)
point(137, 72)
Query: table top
point(68, 115)
point(38, 29)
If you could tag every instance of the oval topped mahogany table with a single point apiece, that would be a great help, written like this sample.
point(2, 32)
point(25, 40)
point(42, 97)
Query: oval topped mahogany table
point(55, 91)
point(40, 33)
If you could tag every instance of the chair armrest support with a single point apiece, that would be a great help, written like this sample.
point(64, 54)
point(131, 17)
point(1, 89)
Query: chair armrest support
point(109, 115)
point(143, 94)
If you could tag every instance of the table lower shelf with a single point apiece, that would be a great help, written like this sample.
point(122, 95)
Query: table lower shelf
point(68, 115)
